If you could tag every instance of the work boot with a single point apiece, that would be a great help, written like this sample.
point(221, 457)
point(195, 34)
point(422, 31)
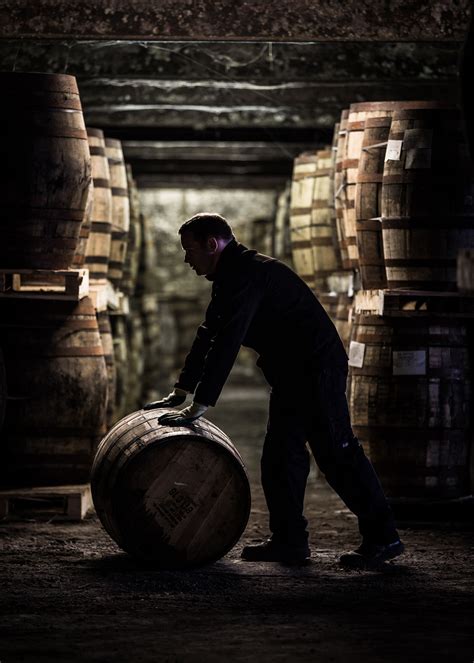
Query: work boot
point(371, 555)
point(273, 551)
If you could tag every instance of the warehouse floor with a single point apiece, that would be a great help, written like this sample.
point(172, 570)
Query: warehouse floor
point(69, 594)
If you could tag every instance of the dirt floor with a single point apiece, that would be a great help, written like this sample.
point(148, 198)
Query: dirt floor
point(69, 594)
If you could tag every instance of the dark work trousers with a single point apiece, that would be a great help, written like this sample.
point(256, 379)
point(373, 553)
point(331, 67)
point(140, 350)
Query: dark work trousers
point(315, 410)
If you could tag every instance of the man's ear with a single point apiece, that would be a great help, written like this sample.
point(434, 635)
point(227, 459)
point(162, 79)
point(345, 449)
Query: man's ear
point(212, 244)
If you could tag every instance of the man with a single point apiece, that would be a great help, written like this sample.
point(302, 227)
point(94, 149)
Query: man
point(261, 303)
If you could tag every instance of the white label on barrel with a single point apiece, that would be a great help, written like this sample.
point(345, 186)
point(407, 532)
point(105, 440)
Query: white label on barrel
point(394, 150)
point(356, 354)
point(409, 362)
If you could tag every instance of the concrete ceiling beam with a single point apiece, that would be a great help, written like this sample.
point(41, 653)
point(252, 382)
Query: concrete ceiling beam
point(233, 61)
point(103, 93)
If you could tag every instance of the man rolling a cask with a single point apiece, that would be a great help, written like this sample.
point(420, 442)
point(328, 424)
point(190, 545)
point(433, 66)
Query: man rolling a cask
point(261, 303)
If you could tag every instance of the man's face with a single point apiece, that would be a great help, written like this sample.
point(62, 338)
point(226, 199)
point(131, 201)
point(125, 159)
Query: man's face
point(199, 255)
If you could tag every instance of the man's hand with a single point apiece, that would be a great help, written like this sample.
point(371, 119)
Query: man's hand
point(177, 397)
point(183, 417)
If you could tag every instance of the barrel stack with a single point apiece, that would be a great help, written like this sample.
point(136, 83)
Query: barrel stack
point(302, 189)
point(398, 284)
point(410, 353)
point(319, 248)
point(282, 227)
point(100, 237)
point(77, 298)
point(53, 377)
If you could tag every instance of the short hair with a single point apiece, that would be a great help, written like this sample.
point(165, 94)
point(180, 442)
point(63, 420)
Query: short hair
point(206, 224)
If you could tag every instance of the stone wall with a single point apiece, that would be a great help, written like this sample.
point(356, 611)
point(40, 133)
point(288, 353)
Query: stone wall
point(167, 209)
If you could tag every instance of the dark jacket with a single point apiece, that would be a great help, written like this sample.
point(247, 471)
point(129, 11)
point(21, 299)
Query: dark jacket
point(260, 303)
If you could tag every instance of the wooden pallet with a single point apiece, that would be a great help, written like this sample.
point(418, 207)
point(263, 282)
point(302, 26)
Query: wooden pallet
point(404, 303)
point(53, 284)
point(46, 503)
point(99, 293)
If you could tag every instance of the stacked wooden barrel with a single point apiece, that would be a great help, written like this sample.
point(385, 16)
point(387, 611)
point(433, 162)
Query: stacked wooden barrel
point(120, 207)
point(57, 386)
point(282, 228)
point(326, 256)
point(99, 242)
point(132, 257)
point(410, 401)
point(45, 187)
point(302, 190)
point(81, 250)
point(155, 363)
point(105, 330)
point(411, 368)
point(315, 216)
point(339, 146)
point(54, 367)
point(427, 198)
point(402, 204)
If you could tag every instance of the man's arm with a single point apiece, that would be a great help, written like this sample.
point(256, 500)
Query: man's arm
point(235, 305)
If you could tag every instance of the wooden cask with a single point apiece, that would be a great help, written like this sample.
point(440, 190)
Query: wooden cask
point(329, 302)
point(350, 166)
point(150, 314)
point(177, 497)
point(100, 237)
point(376, 119)
point(79, 258)
point(339, 308)
point(120, 209)
point(302, 189)
point(121, 360)
point(368, 193)
point(343, 318)
point(427, 199)
point(136, 364)
point(354, 149)
point(57, 382)
point(410, 398)
point(282, 228)
point(339, 187)
point(323, 228)
point(147, 277)
point(134, 240)
point(105, 330)
point(44, 187)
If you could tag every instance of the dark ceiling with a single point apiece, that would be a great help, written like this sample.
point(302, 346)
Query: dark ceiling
point(234, 106)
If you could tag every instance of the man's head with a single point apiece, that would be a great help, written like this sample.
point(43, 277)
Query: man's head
point(203, 238)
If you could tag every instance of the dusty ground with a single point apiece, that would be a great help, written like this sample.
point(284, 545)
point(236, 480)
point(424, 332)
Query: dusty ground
point(69, 594)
